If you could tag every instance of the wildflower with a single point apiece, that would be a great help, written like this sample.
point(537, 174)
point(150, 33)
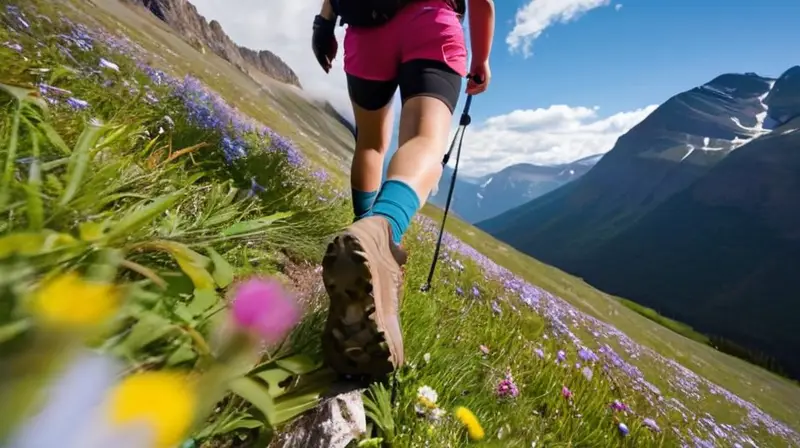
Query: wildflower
point(618, 406)
point(73, 395)
point(14, 46)
point(651, 424)
point(539, 352)
point(470, 422)
point(426, 404)
point(77, 103)
point(587, 355)
point(475, 291)
point(427, 358)
point(459, 291)
point(561, 356)
point(496, 308)
point(566, 393)
point(484, 349)
point(165, 401)
point(436, 414)
point(105, 63)
point(72, 302)
point(507, 387)
point(587, 373)
point(623, 429)
point(263, 307)
point(426, 397)
point(22, 22)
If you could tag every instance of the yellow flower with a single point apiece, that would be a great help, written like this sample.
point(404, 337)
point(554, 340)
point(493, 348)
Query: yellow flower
point(468, 419)
point(165, 401)
point(70, 301)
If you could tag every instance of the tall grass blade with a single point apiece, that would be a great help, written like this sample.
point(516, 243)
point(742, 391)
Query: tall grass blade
point(245, 227)
point(140, 217)
point(11, 158)
point(35, 203)
point(79, 161)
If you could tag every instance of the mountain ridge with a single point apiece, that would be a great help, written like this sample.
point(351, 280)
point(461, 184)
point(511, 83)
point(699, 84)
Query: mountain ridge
point(183, 17)
point(481, 198)
point(692, 213)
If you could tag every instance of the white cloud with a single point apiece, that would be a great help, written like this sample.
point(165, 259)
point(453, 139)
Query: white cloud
point(557, 134)
point(533, 18)
point(283, 27)
point(618, 6)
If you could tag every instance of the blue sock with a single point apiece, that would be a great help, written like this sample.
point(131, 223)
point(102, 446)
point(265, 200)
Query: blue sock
point(362, 203)
point(398, 203)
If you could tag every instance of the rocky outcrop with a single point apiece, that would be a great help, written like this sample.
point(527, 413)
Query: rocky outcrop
point(184, 18)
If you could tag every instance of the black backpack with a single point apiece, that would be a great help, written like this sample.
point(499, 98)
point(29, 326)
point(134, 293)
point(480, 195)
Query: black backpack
point(372, 13)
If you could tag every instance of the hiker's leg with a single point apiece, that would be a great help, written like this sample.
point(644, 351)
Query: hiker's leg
point(372, 108)
point(430, 92)
point(361, 267)
point(433, 63)
point(370, 61)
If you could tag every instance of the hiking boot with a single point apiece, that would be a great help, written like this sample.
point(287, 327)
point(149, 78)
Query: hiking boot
point(362, 274)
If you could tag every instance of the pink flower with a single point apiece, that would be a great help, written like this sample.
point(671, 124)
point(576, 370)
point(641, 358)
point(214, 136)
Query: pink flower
point(265, 308)
point(566, 393)
point(507, 387)
point(484, 349)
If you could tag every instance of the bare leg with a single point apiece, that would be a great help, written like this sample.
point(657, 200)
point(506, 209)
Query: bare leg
point(424, 130)
point(374, 136)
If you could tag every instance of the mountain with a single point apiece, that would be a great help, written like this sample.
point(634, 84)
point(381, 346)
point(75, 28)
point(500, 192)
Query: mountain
point(477, 199)
point(694, 213)
point(183, 17)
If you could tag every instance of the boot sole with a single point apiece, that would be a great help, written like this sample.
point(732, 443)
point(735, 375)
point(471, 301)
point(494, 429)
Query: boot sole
point(354, 342)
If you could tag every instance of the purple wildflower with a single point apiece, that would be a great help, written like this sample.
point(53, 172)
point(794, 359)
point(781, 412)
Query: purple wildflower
point(507, 387)
point(618, 406)
point(651, 424)
point(623, 429)
point(14, 46)
point(539, 352)
point(561, 356)
point(496, 308)
point(77, 103)
point(566, 393)
point(475, 291)
point(105, 63)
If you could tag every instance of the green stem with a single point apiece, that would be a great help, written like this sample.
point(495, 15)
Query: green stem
point(11, 157)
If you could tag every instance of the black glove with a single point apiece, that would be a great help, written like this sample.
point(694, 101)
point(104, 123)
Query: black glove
point(323, 42)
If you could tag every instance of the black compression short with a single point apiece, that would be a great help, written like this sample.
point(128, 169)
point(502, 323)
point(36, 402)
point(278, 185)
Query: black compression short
point(420, 77)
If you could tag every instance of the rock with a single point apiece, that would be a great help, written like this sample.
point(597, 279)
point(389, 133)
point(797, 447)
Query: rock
point(337, 421)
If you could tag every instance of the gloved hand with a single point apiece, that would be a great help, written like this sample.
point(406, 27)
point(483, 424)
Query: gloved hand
point(323, 42)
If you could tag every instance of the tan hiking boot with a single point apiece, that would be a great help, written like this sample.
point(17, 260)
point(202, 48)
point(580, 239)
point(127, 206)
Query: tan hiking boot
point(362, 275)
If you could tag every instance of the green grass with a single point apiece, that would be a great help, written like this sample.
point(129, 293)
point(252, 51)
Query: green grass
point(774, 394)
point(195, 205)
point(678, 327)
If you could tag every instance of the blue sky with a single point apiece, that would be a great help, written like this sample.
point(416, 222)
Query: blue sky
point(596, 68)
point(641, 54)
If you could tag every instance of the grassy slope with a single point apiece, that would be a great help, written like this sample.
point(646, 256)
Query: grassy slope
point(285, 108)
point(289, 114)
point(450, 327)
point(771, 392)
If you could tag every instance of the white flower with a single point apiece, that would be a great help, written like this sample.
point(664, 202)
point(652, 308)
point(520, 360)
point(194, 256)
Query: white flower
point(436, 414)
point(427, 358)
point(105, 63)
point(427, 394)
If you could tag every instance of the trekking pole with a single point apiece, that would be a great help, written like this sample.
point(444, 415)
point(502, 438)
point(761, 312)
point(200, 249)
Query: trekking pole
point(457, 138)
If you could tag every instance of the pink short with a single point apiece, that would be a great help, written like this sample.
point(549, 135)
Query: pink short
point(427, 29)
